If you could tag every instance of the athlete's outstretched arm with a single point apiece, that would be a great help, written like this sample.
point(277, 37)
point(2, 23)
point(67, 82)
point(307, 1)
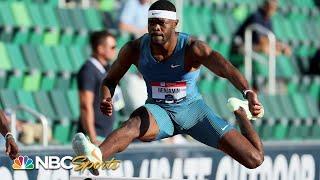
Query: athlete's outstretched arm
point(223, 68)
point(128, 55)
point(11, 146)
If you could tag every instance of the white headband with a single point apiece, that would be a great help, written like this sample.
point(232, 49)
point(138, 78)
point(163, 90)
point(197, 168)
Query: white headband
point(162, 14)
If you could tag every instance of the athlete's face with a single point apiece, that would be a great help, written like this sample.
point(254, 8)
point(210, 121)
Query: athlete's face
point(161, 30)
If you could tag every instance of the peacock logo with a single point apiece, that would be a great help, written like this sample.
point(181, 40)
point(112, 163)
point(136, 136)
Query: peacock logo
point(23, 162)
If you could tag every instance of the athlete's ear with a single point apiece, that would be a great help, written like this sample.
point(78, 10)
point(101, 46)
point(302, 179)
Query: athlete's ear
point(177, 22)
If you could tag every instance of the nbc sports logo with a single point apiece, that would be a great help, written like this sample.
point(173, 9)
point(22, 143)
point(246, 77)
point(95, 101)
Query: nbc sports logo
point(23, 162)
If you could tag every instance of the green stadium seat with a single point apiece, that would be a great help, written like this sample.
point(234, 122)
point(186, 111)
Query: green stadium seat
point(26, 99)
point(17, 60)
point(288, 109)
point(21, 37)
point(293, 128)
point(267, 110)
point(205, 20)
point(36, 37)
point(293, 85)
point(47, 59)
point(284, 67)
point(5, 61)
point(50, 16)
point(61, 132)
point(186, 26)
point(60, 104)
point(107, 5)
point(80, 39)
point(3, 79)
point(267, 130)
point(38, 20)
point(277, 21)
point(300, 105)
point(305, 129)
point(21, 14)
point(78, 19)
point(32, 81)
point(76, 56)
point(280, 130)
point(314, 88)
point(312, 106)
point(273, 104)
point(7, 15)
point(93, 19)
point(62, 58)
point(48, 82)
point(315, 129)
point(16, 77)
point(51, 37)
point(30, 55)
point(123, 39)
point(74, 104)
point(65, 18)
point(67, 38)
point(53, 2)
point(63, 81)
point(6, 34)
point(15, 80)
point(220, 27)
point(73, 83)
point(44, 105)
point(10, 101)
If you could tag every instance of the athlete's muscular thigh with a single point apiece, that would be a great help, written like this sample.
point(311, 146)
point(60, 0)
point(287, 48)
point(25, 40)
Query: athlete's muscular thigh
point(148, 126)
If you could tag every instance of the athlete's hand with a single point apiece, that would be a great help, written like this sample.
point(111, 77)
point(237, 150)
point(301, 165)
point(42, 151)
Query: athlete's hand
point(12, 149)
point(106, 106)
point(255, 106)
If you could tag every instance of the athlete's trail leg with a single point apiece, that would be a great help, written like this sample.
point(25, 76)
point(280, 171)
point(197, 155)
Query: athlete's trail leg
point(246, 147)
point(141, 125)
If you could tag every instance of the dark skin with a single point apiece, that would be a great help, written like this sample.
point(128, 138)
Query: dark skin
point(245, 147)
point(11, 146)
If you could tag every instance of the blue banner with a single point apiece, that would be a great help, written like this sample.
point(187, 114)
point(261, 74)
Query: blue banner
point(282, 161)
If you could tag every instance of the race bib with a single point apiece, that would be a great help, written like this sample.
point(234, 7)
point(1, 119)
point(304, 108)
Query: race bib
point(173, 92)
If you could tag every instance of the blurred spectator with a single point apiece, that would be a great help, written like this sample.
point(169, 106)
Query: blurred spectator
point(260, 42)
point(134, 17)
point(92, 121)
point(317, 3)
point(315, 63)
point(28, 133)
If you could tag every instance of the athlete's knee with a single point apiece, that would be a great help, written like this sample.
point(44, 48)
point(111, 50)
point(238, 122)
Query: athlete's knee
point(138, 122)
point(254, 160)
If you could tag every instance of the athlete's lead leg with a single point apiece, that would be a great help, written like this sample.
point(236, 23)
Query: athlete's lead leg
point(246, 147)
point(141, 125)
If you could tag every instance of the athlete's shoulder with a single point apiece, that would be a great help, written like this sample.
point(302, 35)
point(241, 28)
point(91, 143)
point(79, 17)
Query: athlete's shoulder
point(198, 48)
point(130, 51)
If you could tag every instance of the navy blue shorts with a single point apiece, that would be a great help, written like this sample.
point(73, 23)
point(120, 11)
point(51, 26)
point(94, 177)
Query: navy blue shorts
point(195, 119)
